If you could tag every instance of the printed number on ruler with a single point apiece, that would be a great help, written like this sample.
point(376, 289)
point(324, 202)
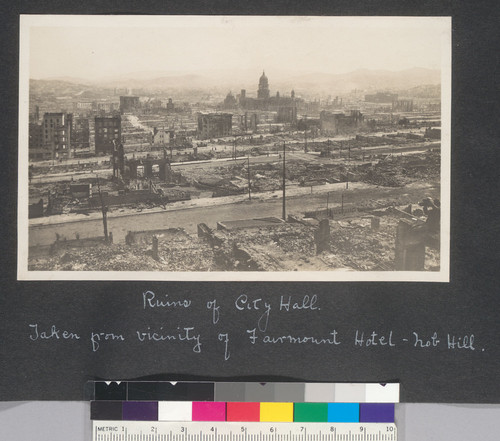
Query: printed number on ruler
point(230, 431)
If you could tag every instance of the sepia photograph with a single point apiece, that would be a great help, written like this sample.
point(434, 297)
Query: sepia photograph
point(234, 148)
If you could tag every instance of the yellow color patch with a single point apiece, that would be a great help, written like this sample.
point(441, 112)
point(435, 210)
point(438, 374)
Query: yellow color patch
point(276, 412)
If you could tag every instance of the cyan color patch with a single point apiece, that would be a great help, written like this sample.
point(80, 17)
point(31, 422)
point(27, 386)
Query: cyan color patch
point(343, 412)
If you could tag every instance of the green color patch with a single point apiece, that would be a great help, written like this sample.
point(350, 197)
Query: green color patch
point(310, 412)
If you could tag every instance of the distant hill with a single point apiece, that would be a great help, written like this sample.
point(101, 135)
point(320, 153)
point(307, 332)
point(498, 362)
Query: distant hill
point(57, 87)
point(425, 91)
point(319, 82)
point(365, 79)
point(164, 82)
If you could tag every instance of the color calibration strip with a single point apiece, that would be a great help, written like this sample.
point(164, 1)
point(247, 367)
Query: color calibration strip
point(245, 392)
point(284, 412)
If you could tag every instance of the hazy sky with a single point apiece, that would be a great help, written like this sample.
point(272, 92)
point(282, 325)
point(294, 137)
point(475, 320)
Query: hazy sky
point(96, 47)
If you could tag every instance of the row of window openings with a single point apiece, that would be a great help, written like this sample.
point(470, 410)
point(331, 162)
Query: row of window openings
point(106, 130)
point(51, 122)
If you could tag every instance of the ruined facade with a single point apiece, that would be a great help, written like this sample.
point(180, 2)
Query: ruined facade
point(334, 123)
point(36, 148)
point(402, 106)
point(129, 103)
point(287, 114)
point(57, 134)
point(214, 125)
point(81, 133)
point(107, 129)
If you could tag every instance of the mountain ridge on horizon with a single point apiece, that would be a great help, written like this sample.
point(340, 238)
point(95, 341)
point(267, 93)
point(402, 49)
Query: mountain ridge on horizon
point(363, 79)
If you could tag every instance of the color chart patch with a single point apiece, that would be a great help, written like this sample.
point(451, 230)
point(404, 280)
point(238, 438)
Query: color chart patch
point(284, 412)
point(244, 392)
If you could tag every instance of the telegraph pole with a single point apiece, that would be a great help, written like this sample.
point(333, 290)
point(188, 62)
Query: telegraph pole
point(172, 145)
point(348, 163)
point(104, 211)
point(305, 135)
point(249, 194)
point(284, 177)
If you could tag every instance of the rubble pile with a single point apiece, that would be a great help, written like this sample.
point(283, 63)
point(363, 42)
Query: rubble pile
point(278, 248)
point(383, 175)
point(426, 166)
point(289, 241)
point(362, 249)
point(359, 247)
point(178, 253)
point(99, 258)
point(186, 254)
point(397, 171)
point(354, 245)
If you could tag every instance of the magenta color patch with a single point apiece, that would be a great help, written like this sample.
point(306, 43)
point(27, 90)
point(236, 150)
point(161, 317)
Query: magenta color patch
point(209, 411)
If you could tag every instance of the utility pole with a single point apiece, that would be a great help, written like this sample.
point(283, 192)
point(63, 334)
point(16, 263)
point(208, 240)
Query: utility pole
point(348, 163)
point(305, 135)
point(284, 177)
point(327, 200)
point(172, 145)
point(248, 168)
point(104, 211)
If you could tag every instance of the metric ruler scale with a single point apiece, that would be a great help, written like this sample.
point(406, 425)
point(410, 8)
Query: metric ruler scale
point(231, 431)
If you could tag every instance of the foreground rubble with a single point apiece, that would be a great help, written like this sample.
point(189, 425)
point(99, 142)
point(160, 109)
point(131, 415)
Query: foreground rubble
point(354, 246)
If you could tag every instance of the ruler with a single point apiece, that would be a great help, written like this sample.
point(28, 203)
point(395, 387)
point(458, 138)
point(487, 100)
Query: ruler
point(231, 431)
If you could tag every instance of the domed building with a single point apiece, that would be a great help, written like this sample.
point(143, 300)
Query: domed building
point(230, 101)
point(263, 91)
point(285, 106)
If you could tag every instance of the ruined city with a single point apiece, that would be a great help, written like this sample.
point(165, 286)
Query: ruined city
point(267, 183)
point(165, 174)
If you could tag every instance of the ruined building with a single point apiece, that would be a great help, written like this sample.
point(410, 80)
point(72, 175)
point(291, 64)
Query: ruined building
point(81, 134)
point(402, 106)
point(170, 106)
point(287, 114)
point(129, 104)
point(214, 125)
point(36, 149)
point(230, 101)
point(264, 100)
point(248, 121)
point(162, 137)
point(335, 123)
point(263, 91)
point(56, 129)
point(107, 130)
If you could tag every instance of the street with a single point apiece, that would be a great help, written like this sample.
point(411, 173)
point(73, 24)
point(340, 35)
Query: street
point(189, 218)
